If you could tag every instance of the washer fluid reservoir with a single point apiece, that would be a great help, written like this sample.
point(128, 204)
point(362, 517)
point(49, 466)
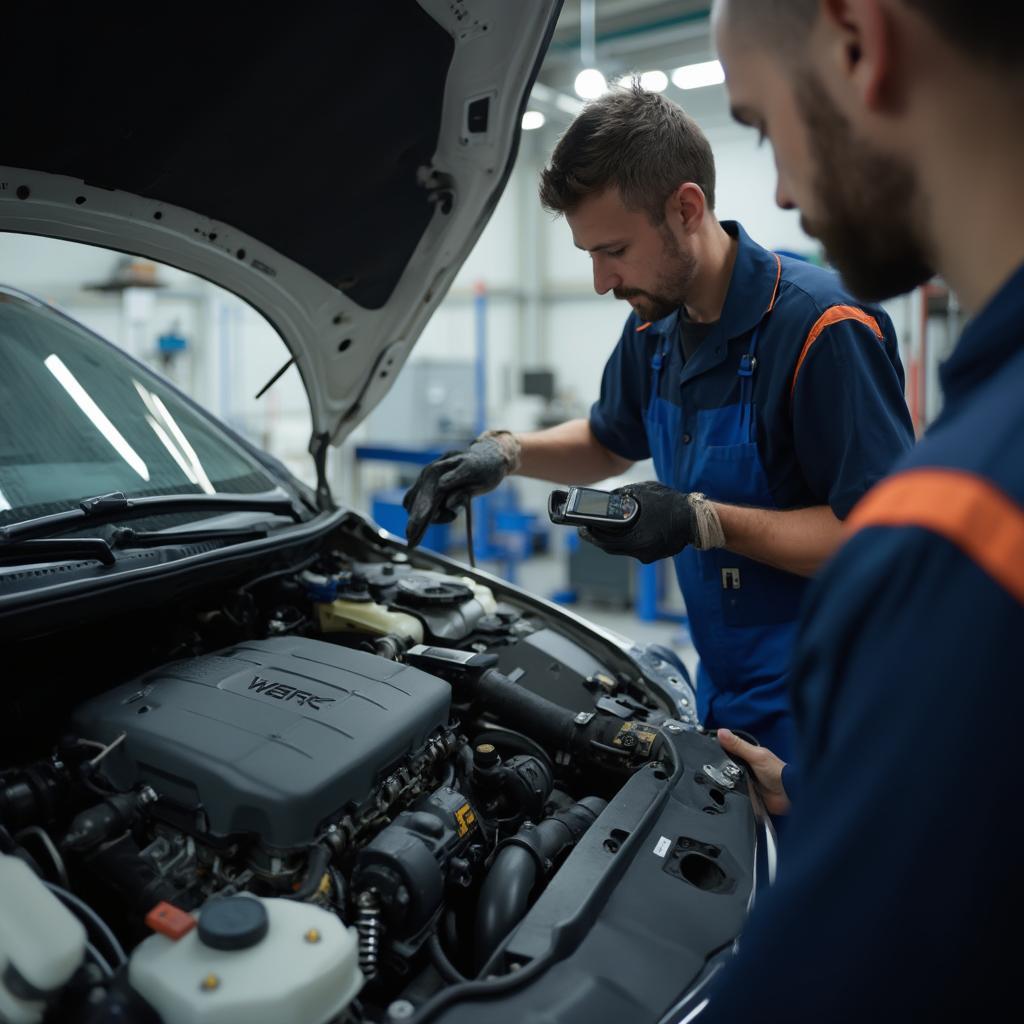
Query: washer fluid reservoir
point(345, 616)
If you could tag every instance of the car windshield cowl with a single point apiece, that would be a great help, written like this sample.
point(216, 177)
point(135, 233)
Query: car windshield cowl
point(115, 507)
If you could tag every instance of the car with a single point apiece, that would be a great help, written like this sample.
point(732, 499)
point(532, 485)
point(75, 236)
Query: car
point(262, 762)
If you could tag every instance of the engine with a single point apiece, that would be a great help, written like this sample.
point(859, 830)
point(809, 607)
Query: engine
point(271, 739)
point(374, 761)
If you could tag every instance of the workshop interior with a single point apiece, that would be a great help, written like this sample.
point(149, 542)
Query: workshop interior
point(266, 762)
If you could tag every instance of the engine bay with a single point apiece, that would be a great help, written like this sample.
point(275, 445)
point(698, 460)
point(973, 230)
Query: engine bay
point(384, 753)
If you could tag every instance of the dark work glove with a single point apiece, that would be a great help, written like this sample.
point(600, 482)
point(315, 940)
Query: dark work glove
point(665, 524)
point(453, 479)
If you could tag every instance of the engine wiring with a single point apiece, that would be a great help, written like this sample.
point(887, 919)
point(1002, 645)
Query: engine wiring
point(89, 917)
point(51, 850)
point(99, 959)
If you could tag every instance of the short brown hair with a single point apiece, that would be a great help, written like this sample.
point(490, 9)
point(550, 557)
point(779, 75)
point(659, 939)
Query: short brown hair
point(987, 32)
point(633, 140)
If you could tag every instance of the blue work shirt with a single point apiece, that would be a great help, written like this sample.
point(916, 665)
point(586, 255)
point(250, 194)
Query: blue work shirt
point(828, 418)
point(899, 892)
point(831, 415)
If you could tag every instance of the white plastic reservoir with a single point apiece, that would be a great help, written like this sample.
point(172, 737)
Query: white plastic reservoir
point(295, 963)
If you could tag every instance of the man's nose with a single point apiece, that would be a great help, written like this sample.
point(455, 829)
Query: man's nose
point(604, 278)
point(782, 196)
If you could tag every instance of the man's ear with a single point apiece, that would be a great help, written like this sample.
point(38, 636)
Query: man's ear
point(686, 207)
point(857, 40)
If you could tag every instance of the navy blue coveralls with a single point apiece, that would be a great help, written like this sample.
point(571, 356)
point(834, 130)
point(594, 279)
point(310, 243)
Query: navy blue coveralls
point(899, 897)
point(794, 399)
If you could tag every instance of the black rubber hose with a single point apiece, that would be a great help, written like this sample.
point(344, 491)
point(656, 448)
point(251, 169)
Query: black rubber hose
point(536, 716)
point(504, 898)
point(319, 860)
point(517, 868)
point(440, 960)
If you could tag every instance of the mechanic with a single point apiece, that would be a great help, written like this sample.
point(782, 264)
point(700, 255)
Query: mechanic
point(751, 378)
point(896, 126)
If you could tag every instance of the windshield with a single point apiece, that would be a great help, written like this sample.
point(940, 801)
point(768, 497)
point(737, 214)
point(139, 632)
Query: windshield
point(78, 419)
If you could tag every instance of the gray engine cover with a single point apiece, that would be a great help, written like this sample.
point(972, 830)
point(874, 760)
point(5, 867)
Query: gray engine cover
point(269, 737)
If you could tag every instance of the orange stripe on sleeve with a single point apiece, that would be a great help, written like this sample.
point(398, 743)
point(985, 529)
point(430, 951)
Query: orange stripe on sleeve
point(832, 315)
point(967, 510)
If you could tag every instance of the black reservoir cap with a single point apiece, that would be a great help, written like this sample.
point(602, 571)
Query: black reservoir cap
point(235, 922)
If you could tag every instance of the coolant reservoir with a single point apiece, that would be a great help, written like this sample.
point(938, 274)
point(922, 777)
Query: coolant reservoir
point(368, 617)
point(41, 943)
point(361, 615)
point(261, 961)
point(483, 594)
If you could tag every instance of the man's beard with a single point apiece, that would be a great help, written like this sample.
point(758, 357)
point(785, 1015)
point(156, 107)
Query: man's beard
point(870, 203)
point(675, 275)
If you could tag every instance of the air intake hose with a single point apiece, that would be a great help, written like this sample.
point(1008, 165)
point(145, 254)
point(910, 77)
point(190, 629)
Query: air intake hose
point(521, 862)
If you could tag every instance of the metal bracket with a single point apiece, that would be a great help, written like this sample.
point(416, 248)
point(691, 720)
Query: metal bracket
point(726, 775)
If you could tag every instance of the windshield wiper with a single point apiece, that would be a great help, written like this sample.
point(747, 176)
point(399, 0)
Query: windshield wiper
point(60, 549)
point(129, 538)
point(56, 549)
point(109, 508)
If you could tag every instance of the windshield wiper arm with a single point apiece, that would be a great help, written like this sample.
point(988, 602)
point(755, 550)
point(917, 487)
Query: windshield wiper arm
point(129, 538)
point(109, 508)
point(56, 549)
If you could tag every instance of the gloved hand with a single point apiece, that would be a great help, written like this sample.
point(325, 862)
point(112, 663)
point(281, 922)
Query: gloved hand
point(453, 479)
point(664, 525)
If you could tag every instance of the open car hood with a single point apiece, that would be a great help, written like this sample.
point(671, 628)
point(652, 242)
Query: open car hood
point(331, 164)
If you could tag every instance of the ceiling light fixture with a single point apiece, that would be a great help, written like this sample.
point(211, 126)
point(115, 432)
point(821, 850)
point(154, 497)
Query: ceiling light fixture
point(590, 84)
point(533, 119)
point(697, 76)
point(654, 81)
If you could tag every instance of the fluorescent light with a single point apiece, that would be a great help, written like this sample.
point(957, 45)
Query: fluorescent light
point(533, 119)
point(590, 84)
point(696, 76)
point(83, 400)
point(4, 503)
point(654, 81)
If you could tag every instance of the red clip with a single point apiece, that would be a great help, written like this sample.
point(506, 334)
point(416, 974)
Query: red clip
point(166, 919)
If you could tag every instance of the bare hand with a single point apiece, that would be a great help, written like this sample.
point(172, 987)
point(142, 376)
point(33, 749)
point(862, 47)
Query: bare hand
point(767, 769)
